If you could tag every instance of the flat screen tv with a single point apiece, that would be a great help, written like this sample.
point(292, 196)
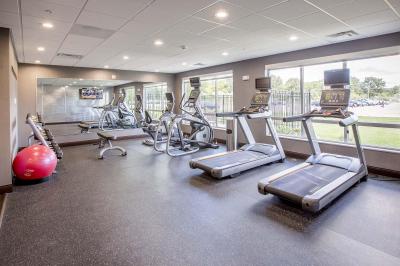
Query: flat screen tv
point(90, 94)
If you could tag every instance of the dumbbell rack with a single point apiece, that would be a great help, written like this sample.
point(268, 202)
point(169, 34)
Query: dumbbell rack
point(41, 134)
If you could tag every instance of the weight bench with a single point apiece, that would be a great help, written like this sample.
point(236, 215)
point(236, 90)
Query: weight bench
point(84, 127)
point(106, 137)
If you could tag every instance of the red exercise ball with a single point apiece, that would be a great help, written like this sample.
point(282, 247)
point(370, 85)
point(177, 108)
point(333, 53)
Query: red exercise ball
point(34, 163)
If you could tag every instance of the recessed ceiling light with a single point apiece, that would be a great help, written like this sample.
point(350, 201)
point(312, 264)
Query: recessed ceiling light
point(125, 57)
point(158, 42)
point(37, 61)
point(106, 66)
point(225, 53)
point(293, 38)
point(221, 14)
point(40, 48)
point(80, 79)
point(184, 63)
point(47, 25)
point(157, 70)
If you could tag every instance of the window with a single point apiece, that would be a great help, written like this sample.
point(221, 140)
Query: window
point(130, 97)
point(375, 99)
point(216, 96)
point(154, 98)
point(286, 99)
point(313, 85)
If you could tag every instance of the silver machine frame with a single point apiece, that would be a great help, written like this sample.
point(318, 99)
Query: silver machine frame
point(355, 171)
point(235, 168)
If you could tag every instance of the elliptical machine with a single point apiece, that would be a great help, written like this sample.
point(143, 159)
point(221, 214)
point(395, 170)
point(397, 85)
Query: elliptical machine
point(143, 117)
point(114, 115)
point(158, 130)
point(201, 133)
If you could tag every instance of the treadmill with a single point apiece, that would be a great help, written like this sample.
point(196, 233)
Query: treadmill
point(253, 154)
point(323, 176)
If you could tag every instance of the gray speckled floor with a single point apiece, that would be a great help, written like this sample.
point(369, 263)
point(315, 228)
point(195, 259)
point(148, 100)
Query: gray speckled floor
point(150, 209)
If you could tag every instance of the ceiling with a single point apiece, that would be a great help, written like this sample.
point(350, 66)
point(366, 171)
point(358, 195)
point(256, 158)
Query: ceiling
point(80, 82)
point(104, 31)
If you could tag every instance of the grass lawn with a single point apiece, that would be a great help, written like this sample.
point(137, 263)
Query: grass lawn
point(373, 136)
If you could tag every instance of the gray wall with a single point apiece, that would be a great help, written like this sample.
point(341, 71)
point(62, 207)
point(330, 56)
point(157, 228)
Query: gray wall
point(243, 90)
point(8, 106)
point(29, 73)
point(62, 104)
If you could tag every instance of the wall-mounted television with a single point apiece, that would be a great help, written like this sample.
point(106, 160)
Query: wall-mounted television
point(90, 94)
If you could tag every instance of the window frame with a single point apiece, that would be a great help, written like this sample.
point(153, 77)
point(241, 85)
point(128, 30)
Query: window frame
point(164, 86)
point(215, 77)
point(345, 142)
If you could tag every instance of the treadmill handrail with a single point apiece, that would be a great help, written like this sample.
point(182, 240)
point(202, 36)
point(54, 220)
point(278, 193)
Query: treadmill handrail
point(349, 121)
point(228, 114)
point(295, 118)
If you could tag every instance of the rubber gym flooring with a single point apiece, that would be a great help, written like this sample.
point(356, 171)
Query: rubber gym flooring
point(150, 209)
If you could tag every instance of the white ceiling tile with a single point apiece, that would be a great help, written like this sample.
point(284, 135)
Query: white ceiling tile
point(34, 24)
point(194, 25)
point(100, 20)
point(32, 36)
point(373, 19)
point(73, 3)
point(318, 24)
point(289, 10)
point(9, 6)
point(255, 5)
point(225, 33)
point(329, 3)
point(380, 29)
point(117, 8)
point(37, 8)
point(234, 12)
point(357, 8)
point(80, 45)
point(140, 29)
point(253, 23)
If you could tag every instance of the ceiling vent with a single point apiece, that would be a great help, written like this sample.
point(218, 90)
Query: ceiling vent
point(70, 56)
point(343, 34)
point(199, 64)
point(90, 31)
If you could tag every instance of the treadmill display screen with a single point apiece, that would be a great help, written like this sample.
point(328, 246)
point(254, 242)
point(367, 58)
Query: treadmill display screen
point(335, 97)
point(194, 95)
point(337, 77)
point(263, 83)
point(260, 99)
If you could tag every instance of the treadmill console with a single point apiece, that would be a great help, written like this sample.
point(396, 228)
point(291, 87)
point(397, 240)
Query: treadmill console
point(263, 84)
point(337, 98)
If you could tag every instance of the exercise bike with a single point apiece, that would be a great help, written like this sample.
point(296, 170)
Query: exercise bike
point(201, 134)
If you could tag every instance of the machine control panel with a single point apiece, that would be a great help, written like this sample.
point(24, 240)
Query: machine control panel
point(194, 95)
point(338, 98)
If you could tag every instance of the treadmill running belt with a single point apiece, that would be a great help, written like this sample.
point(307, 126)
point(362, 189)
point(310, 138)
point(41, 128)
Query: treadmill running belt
point(307, 180)
point(233, 158)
